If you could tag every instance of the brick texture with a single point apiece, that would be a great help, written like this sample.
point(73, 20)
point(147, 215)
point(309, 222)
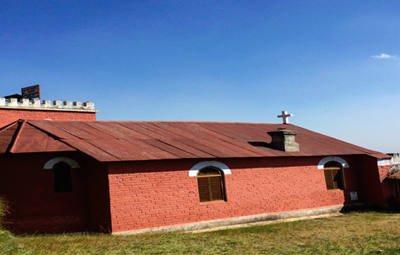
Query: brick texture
point(125, 196)
point(8, 115)
point(28, 188)
point(154, 194)
point(36, 208)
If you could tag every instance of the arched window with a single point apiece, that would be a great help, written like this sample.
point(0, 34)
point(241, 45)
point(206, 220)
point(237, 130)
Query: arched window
point(62, 177)
point(211, 185)
point(62, 173)
point(334, 176)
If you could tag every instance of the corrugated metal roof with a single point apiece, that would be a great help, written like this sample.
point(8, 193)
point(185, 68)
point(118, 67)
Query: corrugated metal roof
point(24, 138)
point(155, 140)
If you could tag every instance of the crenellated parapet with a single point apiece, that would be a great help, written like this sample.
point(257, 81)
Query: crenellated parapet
point(36, 104)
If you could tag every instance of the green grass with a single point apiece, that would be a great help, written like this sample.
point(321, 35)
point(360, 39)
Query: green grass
point(353, 233)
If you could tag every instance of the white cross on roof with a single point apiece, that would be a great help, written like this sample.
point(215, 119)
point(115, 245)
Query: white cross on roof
point(285, 117)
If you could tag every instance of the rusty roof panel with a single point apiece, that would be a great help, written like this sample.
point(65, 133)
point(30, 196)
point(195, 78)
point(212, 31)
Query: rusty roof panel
point(54, 145)
point(178, 152)
point(6, 137)
point(91, 150)
point(154, 131)
point(51, 128)
point(182, 145)
point(240, 132)
point(206, 148)
point(147, 151)
point(150, 140)
point(318, 144)
point(380, 155)
point(225, 145)
point(203, 139)
point(31, 139)
point(150, 131)
point(82, 130)
point(126, 151)
point(116, 129)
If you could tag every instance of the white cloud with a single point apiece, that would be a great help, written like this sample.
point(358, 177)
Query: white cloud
point(385, 56)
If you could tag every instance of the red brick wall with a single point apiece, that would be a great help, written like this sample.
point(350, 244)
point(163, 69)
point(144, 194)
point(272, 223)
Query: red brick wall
point(35, 208)
point(370, 180)
point(153, 194)
point(142, 195)
point(98, 197)
point(7, 115)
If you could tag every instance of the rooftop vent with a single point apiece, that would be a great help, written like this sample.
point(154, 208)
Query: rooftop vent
point(284, 140)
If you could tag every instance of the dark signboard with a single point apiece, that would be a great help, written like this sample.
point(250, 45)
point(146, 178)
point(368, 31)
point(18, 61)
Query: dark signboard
point(31, 92)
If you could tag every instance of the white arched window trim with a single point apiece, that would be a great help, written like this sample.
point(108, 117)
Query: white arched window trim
point(325, 160)
point(49, 164)
point(196, 168)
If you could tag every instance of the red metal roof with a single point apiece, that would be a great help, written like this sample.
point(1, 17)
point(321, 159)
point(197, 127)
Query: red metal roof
point(155, 140)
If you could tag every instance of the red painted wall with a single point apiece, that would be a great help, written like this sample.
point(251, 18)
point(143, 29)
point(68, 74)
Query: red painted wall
point(371, 190)
point(128, 196)
point(9, 115)
point(35, 208)
point(153, 194)
point(98, 199)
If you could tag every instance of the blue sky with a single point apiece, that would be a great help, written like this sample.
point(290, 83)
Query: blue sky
point(335, 65)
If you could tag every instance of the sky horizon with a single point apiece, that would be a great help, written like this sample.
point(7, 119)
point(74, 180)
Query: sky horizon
point(334, 65)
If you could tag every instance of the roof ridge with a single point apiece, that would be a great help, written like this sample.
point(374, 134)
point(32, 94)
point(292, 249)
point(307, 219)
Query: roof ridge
point(16, 136)
point(209, 137)
point(160, 121)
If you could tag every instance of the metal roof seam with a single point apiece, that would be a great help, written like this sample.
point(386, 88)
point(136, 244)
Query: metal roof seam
point(138, 131)
point(215, 136)
point(148, 140)
point(48, 132)
point(175, 147)
point(169, 145)
point(15, 137)
point(155, 130)
point(229, 140)
point(95, 147)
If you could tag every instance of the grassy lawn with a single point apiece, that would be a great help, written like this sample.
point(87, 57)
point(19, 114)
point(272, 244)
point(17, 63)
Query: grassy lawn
point(353, 233)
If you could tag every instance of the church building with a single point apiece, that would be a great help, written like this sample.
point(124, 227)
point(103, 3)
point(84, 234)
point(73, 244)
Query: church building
point(63, 171)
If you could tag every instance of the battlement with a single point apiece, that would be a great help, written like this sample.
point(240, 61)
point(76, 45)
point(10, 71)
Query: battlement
point(36, 104)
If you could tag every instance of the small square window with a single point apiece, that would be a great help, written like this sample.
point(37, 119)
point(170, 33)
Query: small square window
point(211, 185)
point(334, 176)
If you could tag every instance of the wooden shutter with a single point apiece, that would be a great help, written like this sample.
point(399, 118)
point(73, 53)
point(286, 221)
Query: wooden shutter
point(333, 178)
point(338, 179)
point(210, 184)
point(216, 188)
point(329, 179)
point(204, 191)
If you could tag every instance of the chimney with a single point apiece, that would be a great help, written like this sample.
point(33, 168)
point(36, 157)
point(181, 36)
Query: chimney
point(284, 140)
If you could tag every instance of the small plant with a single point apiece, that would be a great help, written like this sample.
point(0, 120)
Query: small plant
point(8, 244)
point(3, 211)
